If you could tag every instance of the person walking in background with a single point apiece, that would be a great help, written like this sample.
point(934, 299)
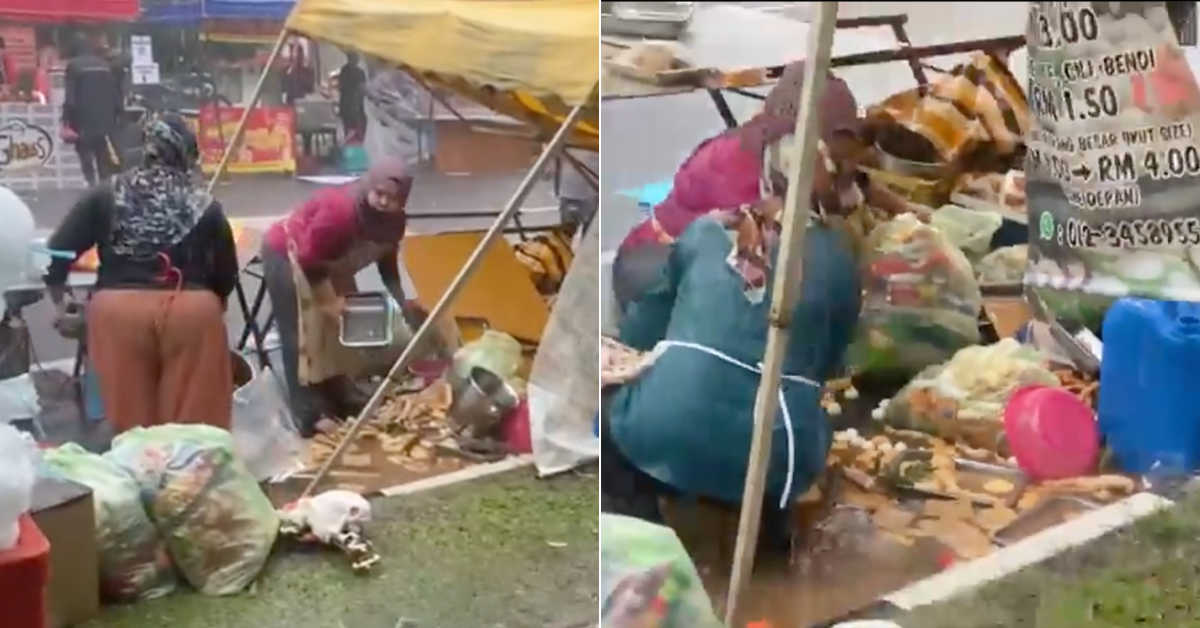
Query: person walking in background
point(92, 111)
point(352, 84)
point(168, 263)
point(578, 198)
point(8, 65)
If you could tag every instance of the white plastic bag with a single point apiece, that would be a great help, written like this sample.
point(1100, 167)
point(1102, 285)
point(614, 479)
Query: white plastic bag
point(562, 385)
point(16, 483)
point(264, 436)
point(15, 240)
point(328, 514)
point(18, 399)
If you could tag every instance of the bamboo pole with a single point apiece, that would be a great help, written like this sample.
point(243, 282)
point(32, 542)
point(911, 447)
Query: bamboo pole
point(494, 233)
point(240, 130)
point(788, 277)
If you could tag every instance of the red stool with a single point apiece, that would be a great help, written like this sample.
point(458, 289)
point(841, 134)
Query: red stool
point(24, 573)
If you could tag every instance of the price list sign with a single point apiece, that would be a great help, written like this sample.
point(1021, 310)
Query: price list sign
point(1113, 163)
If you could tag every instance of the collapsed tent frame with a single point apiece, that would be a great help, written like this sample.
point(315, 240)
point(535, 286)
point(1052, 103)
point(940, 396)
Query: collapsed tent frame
point(554, 147)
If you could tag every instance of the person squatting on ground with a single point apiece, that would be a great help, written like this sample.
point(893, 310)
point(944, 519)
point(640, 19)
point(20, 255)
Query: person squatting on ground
point(310, 259)
point(168, 263)
point(695, 281)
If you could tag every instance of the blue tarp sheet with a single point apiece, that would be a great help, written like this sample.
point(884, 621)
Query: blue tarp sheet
point(186, 11)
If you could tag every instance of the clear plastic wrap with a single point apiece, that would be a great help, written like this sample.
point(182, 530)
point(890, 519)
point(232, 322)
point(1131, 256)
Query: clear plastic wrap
point(134, 564)
point(647, 579)
point(218, 524)
point(921, 300)
point(968, 229)
point(965, 397)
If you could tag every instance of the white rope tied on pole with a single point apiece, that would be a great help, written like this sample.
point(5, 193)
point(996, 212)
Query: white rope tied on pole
point(786, 289)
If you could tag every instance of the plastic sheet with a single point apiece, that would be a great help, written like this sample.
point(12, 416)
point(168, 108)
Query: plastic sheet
point(921, 300)
point(562, 383)
point(647, 579)
point(15, 240)
point(16, 483)
point(218, 524)
point(264, 434)
point(134, 564)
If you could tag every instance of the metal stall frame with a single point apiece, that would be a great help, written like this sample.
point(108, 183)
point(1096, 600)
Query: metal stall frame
point(554, 147)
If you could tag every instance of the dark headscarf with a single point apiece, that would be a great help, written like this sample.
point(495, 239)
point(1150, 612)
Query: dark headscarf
point(158, 203)
point(378, 224)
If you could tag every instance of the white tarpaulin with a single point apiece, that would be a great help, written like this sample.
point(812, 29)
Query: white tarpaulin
point(563, 399)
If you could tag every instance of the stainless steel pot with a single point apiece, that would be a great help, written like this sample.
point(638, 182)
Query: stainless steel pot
point(481, 400)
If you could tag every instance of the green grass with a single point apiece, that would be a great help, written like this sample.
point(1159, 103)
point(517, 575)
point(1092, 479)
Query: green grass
point(509, 551)
point(1144, 576)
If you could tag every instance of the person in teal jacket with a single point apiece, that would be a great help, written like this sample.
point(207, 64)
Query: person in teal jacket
point(684, 426)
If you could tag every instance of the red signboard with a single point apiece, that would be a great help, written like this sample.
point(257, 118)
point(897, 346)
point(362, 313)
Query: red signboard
point(269, 143)
point(69, 10)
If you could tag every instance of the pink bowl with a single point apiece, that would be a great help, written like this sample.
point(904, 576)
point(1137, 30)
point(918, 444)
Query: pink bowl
point(1053, 434)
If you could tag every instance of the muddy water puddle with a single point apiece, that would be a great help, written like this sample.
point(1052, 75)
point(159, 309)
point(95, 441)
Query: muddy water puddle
point(840, 565)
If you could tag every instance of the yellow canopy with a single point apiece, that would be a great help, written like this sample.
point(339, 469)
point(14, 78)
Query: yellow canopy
point(543, 56)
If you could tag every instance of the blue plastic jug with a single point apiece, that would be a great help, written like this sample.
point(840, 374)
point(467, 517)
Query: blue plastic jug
point(1149, 410)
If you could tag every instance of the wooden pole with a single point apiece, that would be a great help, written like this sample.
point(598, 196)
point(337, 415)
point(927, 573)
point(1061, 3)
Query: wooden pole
point(240, 130)
point(556, 145)
point(788, 276)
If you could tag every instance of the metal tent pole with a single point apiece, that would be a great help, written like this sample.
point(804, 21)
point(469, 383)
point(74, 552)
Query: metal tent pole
point(494, 233)
point(240, 131)
point(788, 277)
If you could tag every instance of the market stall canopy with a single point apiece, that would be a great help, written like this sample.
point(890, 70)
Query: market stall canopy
point(191, 11)
point(529, 59)
point(69, 10)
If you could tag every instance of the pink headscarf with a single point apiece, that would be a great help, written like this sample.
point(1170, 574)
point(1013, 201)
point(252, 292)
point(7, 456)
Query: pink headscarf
point(725, 172)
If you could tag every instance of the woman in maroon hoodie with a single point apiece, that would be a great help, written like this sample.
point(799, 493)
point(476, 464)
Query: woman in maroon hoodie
point(310, 259)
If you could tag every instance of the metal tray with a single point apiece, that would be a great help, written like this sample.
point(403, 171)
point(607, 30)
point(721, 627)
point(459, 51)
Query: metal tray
point(367, 320)
point(1056, 509)
point(642, 21)
point(1010, 474)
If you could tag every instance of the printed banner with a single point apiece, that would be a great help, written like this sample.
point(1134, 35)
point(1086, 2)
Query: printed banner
point(269, 144)
point(1111, 172)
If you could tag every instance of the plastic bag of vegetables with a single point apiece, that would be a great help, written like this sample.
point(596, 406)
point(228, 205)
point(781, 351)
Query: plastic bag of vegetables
point(134, 564)
point(921, 300)
point(1004, 265)
point(965, 397)
point(218, 524)
point(647, 579)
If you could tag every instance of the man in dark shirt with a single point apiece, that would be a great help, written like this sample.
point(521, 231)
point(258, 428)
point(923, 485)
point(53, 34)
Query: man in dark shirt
point(352, 82)
point(92, 110)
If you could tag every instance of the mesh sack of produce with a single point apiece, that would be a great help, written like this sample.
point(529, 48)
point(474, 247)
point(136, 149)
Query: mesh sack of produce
point(647, 579)
point(1004, 265)
point(920, 300)
point(218, 524)
point(134, 564)
point(964, 398)
point(971, 231)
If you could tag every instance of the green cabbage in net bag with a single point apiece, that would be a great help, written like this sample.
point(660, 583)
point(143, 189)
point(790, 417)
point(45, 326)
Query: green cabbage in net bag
point(920, 300)
point(134, 564)
point(1004, 265)
point(647, 579)
point(218, 524)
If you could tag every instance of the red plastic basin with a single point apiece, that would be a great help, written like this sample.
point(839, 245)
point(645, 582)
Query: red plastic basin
point(1053, 435)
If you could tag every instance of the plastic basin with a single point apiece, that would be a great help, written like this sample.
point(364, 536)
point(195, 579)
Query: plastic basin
point(1053, 435)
